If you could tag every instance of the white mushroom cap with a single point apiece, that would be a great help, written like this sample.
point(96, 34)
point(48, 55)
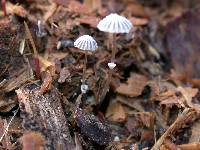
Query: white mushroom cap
point(86, 43)
point(84, 88)
point(115, 23)
point(111, 65)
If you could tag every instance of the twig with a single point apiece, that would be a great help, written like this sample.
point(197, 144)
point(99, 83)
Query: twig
point(6, 130)
point(28, 33)
point(183, 118)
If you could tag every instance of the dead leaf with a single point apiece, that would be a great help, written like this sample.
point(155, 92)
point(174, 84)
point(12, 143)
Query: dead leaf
point(146, 118)
point(89, 20)
point(17, 10)
point(115, 112)
point(190, 146)
point(139, 21)
point(195, 132)
point(62, 2)
point(188, 93)
point(32, 141)
point(136, 9)
point(134, 87)
point(77, 7)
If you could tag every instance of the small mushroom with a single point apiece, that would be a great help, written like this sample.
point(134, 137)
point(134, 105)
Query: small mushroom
point(85, 43)
point(111, 65)
point(114, 24)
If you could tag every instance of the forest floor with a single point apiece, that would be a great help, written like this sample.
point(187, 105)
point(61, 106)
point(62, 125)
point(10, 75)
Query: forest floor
point(152, 101)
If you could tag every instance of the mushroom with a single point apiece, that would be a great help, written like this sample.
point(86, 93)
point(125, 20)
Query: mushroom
point(85, 43)
point(114, 24)
point(111, 65)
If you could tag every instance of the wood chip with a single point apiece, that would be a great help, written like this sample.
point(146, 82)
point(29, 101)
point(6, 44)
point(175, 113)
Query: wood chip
point(115, 112)
point(134, 87)
point(44, 114)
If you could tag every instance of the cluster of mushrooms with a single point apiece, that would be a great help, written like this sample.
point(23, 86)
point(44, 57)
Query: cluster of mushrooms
point(112, 24)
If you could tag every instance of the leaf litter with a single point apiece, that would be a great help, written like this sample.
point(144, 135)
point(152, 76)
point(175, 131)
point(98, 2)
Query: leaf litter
point(151, 102)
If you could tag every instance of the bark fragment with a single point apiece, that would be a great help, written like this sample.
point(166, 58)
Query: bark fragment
point(44, 114)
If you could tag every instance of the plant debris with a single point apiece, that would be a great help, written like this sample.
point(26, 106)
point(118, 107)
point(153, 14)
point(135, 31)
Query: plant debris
point(138, 90)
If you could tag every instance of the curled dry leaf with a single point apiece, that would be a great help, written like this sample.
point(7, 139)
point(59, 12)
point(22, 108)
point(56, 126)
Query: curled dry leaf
point(32, 141)
point(47, 81)
point(115, 112)
point(93, 128)
point(134, 87)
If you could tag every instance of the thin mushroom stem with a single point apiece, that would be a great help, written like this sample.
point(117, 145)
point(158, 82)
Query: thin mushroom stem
point(84, 67)
point(114, 50)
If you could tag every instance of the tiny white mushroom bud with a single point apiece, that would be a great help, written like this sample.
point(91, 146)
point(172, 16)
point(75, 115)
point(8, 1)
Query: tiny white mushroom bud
point(111, 65)
point(116, 139)
point(84, 88)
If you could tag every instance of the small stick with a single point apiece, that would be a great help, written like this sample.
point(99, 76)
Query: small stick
point(35, 53)
point(6, 130)
point(185, 116)
point(3, 3)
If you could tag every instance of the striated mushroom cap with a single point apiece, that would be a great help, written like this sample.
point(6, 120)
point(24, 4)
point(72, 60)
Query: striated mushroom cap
point(115, 23)
point(86, 43)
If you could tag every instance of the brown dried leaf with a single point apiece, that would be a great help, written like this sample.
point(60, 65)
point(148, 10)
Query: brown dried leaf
point(136, 9)
point(94, 5)
point(22, 77)
point(32, 141)
point(62, 2)
point(134, 87)
point(47, 81)
point(166, 93)
point(195, 132)
point(190, 146)
point(77, 7)
point(17, 10)
point(89, 20)
point(139, 21)
point(188, 92)
point(146, 118)
point(115, 112)
point(6, 106)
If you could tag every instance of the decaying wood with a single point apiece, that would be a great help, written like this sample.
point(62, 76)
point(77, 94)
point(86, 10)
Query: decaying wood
point(14, 83)
point(44, 114)
point(182, 119)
